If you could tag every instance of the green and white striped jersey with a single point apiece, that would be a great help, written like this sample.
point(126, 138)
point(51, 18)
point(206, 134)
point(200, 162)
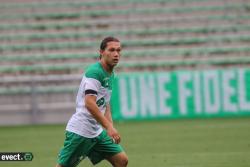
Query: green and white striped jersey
point(97, 82)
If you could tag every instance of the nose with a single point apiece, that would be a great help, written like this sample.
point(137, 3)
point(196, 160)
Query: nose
point(116, 54)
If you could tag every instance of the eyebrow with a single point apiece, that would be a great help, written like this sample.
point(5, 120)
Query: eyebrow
point(113, 48)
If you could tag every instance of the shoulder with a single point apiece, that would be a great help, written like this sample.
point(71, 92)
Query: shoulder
point(94, 71)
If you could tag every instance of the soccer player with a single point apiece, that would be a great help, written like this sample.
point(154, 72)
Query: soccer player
point(90, 131)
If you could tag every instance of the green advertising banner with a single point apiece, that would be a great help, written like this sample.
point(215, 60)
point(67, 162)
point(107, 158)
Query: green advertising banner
point(181, 94)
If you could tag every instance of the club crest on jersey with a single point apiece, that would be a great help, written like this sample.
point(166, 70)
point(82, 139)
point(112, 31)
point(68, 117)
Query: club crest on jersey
point(107, 83)
point(100, 102)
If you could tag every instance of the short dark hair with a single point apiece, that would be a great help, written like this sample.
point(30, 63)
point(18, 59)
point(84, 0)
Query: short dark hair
point(105, 42)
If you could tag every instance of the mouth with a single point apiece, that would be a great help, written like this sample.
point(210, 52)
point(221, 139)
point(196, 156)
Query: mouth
point(115, 60)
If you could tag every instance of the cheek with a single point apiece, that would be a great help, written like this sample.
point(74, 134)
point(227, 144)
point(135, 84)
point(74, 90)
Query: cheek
point(111, 55)
point(108, 56)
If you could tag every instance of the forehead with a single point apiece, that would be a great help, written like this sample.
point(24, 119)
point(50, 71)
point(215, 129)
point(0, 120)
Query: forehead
point(113, 44)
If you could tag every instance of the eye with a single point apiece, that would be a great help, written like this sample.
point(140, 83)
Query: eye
point(112, 49)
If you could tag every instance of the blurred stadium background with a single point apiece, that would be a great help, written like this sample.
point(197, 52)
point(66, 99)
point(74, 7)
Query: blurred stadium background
point(46, 45)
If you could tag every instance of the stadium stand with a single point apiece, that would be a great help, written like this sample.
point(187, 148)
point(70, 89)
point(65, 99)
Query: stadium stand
point(46, 45)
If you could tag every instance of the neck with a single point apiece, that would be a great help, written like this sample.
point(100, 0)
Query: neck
point(106, 67)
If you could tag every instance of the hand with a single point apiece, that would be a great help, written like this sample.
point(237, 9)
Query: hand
point(113, 133)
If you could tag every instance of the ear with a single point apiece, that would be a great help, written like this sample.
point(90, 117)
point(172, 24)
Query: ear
point(101, 52)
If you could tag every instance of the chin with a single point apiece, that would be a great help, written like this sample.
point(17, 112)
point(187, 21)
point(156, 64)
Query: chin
point(114, 63)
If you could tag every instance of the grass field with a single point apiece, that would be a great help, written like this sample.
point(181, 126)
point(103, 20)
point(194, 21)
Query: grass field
point(165, 143)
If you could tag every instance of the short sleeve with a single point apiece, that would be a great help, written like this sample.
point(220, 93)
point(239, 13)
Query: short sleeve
point(92, 81)
point(92, 85)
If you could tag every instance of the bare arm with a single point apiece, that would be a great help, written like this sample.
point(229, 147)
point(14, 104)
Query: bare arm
point(90, 103)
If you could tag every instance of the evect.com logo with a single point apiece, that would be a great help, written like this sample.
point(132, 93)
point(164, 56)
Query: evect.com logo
point(16, 156)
